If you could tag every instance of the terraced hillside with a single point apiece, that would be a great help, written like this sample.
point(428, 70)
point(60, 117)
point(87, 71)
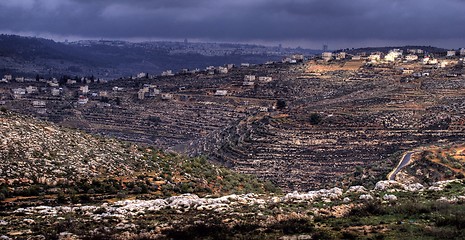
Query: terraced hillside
point(345, 128)
point(304, 126)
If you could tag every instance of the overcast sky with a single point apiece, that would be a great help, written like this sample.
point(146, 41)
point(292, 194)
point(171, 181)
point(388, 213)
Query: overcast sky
point(306, 23)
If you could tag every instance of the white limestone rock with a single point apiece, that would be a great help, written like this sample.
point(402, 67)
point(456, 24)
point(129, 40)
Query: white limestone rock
point(390, 198)
point(389, 184)
point(416, 187)
point(366, 197)
point(357, 189)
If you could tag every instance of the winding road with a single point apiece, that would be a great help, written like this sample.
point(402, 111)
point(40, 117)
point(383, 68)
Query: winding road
point(405, 160)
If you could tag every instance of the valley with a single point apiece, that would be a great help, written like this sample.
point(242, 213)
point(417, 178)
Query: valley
point(301, 125)
point(297, 149)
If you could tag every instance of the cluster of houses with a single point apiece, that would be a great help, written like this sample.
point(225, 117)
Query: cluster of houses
point(210, 70)
point(151, 91)
point(19, 93)
point(392, 56)
point(8, 78)
point(249, 80)
point(148, 90)
point(293, 59)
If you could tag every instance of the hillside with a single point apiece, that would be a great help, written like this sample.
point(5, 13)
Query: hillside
point(336, 118)
point(38, 158)
point(26, 56)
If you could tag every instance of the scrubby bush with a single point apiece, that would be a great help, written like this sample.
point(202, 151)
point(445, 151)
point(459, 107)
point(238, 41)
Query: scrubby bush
point(315, 118)
point(281, 104)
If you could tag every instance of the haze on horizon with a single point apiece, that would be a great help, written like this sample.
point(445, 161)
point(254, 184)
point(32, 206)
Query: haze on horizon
point(305, 23)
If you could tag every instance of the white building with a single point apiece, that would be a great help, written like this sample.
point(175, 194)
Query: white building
point(84, 89)
point(462, 52)
point(429, 61)
point(407, 71)
point(221, 92)
point(8, 77)
point(166, 96)
point(141, 93)
point(297, 57)
point(53, 83)
point(18, 92)
point(83, 100)
point(153, 91)
point(38, 104)
point(341, 55)
point(19, 79)
point(142, 75)
point(451, 53)
point(31, 89)
point(55, 92)
point(411, 57)
point(443, 64)
point(167, 73)
point(265, 79)
point(433, 62)
point(393, 55)
point(223, 70)
point(415, 51)
point(327, 56)
point(70, 81)
point(374, 57)
point(229, 66)
point(249, 78)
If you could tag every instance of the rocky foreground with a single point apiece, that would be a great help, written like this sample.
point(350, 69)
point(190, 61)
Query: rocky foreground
point(390, 210)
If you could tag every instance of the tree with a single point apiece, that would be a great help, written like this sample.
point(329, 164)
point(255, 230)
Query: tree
point(315, 119)
point(281, 104)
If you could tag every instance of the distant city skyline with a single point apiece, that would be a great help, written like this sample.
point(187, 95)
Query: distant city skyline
point(292, 23)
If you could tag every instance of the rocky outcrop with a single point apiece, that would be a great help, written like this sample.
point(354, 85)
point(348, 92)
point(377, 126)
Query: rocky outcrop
point(38, 152)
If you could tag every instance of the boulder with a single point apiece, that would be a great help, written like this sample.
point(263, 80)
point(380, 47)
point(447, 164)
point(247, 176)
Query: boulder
point(366, 197)
point(390, 198)
point(389, 184)
point(357, 189)
point(416, 187)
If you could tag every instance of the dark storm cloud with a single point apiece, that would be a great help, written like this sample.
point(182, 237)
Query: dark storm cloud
point(240, 20)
